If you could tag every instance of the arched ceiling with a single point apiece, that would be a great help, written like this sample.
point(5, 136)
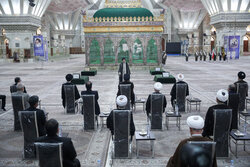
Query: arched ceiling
point(215, 7)
point(22, 7)
point(184, 5)
point(67, 6)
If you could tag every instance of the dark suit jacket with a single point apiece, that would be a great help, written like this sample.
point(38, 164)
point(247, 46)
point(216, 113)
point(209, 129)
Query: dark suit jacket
point(111, 126)
point(173, 90)
point(41, 120)
point(175, 160)
point(97, 107)
point(132, 90)
point(13, 89)
point(69, 152)
point(148, 103)
point(77, 95)
point(208, 129)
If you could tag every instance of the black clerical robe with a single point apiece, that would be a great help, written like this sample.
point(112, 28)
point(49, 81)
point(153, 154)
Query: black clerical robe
point(121, 73)
point(208, 129)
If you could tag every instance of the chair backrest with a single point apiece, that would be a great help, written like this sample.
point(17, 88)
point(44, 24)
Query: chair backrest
point(233, 103)
point(13, 88)
point(156, 110)
point(89, 111)
point(69, 91)
point(222, 124)
point(18, 105)
point(49, 154)
point(1, 104)
point(242, 90)
point(29, 126)
point(121, 124)
point(200, 149)
point(181, 89)
point(125, 89)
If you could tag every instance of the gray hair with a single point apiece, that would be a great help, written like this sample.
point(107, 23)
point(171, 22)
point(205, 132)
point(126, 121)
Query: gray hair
point(19, 86)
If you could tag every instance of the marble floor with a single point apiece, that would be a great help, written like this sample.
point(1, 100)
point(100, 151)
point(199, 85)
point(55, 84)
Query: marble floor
point(44, 80)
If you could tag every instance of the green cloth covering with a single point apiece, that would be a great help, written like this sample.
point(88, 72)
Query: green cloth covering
point(89, 73)
point(137, 55)
point(122, 12)
point(153, 72)
point(81, 81)
point(152, 51)
point(94, 54)
point(123, 50)
point(168, 80)
point(109, 54)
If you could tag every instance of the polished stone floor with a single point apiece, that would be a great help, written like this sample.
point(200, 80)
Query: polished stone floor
point(44, 80)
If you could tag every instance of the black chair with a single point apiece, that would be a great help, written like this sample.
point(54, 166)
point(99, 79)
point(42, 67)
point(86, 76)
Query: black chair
point(49, 154)
point(1, 104)
point(125, 89)
point(242, 90)
point(70, 103)
point(121, 133)
point(222, 124)
point(198, 153)
point(13, 88)
point(29, 126)
point(157, 101)
point(89, 111)
point(233, 103)
point(18, 105)
point(181, 96)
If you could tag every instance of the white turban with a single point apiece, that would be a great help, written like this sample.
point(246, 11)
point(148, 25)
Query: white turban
point(158, 86)
point(121, 100)
point(180, 77)
point(195, 122)
point(222, 95)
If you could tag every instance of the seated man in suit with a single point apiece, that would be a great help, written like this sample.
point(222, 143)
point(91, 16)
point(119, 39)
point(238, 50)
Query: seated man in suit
point(89, 91)
point(127, 81)
point(180, 78)
point(68, 149)
point(121, 102)
point(195, 124)
point(3, 97)
point(241, 77)
point(69, 78)
point(20, 92)
point(157, 88)
point(40, 115)
point(13, 87)
point(221, 99)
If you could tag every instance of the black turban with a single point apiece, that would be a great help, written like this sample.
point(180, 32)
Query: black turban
point(241, 75)
point(69, 77)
